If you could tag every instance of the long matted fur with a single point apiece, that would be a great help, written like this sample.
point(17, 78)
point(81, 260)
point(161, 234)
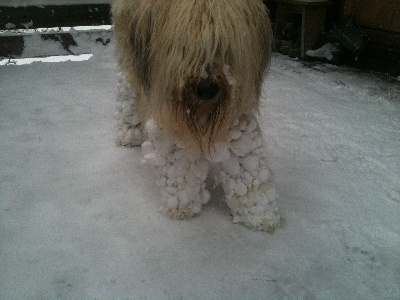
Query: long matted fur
point(173, 50)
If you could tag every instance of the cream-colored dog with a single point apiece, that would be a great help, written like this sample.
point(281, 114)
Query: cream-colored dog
point(189, 92)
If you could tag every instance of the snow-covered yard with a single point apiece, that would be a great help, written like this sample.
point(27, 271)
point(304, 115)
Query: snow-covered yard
point(79, 216)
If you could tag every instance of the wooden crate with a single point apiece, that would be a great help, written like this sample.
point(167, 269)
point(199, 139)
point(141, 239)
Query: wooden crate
point(375, 14)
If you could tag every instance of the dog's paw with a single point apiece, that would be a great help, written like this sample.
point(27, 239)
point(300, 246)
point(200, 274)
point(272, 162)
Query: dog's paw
point(181, 213)
point(257, 208)
point(179, 205)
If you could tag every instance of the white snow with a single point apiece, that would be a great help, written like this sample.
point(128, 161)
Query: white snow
point(79, 216)
point(53, 58)
point(326, 51)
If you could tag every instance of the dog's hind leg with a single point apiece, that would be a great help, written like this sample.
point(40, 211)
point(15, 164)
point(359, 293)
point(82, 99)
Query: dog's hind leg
point(181, 175)
point(130, 128)
point(247, 180)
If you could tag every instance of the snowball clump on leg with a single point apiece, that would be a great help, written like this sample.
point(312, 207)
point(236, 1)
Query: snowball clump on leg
point(130, 130)
point(181, 175)
point(244, 175)
point(246, 178)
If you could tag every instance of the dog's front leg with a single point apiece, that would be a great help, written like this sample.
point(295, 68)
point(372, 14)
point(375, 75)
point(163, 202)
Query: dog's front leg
point(247, 180)
point(181, 175)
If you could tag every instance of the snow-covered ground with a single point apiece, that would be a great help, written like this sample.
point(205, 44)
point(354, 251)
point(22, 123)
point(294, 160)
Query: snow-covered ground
point(79, 216)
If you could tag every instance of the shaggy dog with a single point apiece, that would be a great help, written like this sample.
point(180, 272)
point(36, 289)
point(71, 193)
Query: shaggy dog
point(189, 90)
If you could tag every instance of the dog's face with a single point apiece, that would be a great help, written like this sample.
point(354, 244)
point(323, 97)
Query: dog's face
point(200, 64)
point(203, 101)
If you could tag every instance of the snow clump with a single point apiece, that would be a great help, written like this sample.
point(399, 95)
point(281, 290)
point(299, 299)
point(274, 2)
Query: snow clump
point(244, 174)
point(129, 122)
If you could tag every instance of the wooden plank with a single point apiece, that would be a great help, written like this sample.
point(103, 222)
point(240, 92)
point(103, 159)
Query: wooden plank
point(384, 38)
point(351, 8)
point(313, 26)
point(381, 19)
point(377, 14)
point(383, 15)
point(380, 59)
point(54, 16)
